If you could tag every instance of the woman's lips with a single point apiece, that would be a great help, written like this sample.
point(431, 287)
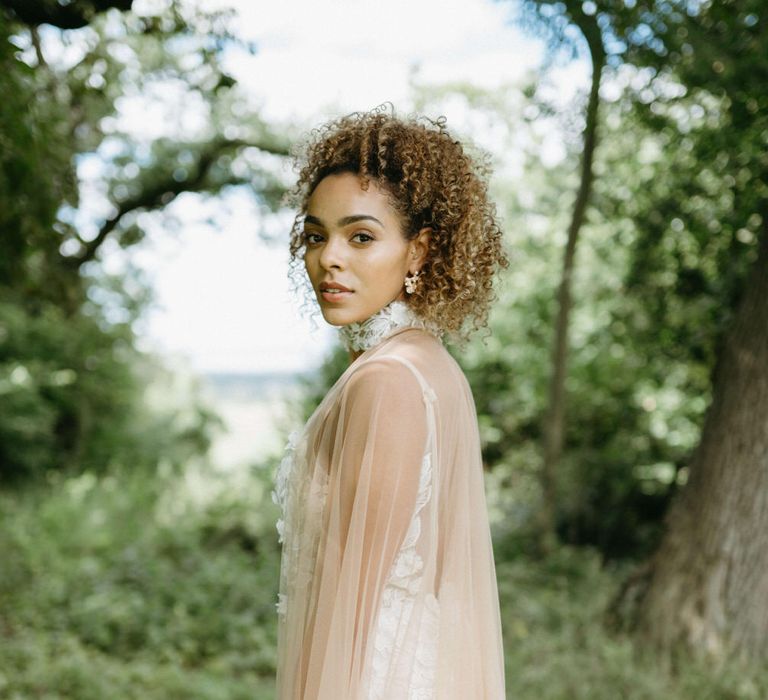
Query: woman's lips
point(334, 297)
point(334, 292)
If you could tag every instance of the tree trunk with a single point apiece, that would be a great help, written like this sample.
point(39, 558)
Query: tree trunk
point(707, 584)
point(554, 421)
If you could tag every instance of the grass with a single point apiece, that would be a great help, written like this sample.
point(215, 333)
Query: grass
point(128, 587)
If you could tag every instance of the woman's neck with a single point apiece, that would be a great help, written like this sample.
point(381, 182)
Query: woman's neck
point(363, 335)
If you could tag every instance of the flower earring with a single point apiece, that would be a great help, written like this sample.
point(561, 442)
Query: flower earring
point(411, 281)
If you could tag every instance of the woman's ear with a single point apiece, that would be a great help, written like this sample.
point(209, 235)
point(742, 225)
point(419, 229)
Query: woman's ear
point(419, 249)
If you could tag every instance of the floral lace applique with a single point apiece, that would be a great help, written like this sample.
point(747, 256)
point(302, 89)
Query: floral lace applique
point(280, 498)
point(282, 479)
point(293, 487)
point(399, 597)
point(363, 335)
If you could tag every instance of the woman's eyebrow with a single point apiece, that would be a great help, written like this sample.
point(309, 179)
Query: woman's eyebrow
point(309, 219)
point(344, 221)
point(358, 217)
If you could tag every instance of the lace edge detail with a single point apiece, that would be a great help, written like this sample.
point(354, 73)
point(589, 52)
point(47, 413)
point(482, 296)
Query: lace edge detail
point(363, 335)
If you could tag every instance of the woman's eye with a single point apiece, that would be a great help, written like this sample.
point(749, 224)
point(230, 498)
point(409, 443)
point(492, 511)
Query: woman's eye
point(310, 237)
point(363, 237)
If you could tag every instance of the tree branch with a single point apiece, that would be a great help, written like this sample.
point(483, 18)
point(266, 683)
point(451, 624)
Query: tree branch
point(35, 35)
point(166, 191)
point(72, 16)
point(554, 421)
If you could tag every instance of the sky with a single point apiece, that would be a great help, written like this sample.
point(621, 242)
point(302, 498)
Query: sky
point(223, 301)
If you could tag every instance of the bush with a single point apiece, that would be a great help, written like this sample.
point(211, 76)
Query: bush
point(557, 647)
point(74, 398)
point(120, 586)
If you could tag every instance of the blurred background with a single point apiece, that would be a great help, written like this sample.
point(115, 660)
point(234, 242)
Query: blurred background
point(154, 358)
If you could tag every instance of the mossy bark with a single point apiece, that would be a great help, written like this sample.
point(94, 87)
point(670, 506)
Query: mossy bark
point(706, 587)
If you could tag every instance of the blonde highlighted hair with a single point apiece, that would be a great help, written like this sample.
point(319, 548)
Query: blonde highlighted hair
point(433, 182)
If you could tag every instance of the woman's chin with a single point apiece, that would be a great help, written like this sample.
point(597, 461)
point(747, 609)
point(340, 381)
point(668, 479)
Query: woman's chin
point(339, 317)
point(342, 316)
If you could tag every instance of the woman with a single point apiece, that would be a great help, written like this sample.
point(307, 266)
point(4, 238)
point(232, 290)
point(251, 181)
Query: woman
point(388, 585)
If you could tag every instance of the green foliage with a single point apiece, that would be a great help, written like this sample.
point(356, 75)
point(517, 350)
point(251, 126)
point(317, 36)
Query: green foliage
point(123, 586)
point(638, 382)
point(127, 587)
point(71, 380)
point(34, 172)
point(557, 647)
point(67, 395)
point(75, 397)
point(165, 59)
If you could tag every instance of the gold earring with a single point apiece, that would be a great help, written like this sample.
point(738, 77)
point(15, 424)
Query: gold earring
point(411, 281)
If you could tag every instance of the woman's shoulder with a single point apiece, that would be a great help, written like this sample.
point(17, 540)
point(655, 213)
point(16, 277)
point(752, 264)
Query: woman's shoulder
point(419, 353)
point(423, 349)
point(393, 370)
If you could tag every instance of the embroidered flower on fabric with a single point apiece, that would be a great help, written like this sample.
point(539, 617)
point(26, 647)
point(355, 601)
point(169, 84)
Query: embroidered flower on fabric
point(399, 598)
point(408, 578)
point(363, 335)
point(293, 486)
point(280, 605)
point(407, 564)
point(282, 477)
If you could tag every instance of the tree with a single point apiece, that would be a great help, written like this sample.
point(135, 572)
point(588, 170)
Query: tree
point(706, 587)
point(132, 54)
point(707, 584)
point(699, 265)
point(561, 16)
point(70, 374)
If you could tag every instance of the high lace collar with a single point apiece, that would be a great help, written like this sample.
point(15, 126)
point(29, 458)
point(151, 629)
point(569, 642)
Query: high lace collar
point(363, 335)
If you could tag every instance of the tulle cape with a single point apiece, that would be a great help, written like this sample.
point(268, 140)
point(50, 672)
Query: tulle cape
point(387, 585)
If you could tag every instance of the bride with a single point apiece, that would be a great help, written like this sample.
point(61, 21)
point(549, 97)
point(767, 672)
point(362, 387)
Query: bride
point(387, 582)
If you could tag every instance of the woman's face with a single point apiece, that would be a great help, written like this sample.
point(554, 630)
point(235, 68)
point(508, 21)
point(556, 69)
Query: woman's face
point(355, 244)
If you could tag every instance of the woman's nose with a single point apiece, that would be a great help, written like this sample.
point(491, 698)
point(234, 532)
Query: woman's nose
point(332, 254)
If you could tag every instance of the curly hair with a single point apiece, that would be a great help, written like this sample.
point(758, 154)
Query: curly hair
point(432, 182)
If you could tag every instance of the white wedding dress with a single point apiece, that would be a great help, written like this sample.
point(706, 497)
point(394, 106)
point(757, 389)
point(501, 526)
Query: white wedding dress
point(387, 583)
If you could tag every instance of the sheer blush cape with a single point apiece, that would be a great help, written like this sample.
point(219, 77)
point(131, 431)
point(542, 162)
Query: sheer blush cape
point(387, 584)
